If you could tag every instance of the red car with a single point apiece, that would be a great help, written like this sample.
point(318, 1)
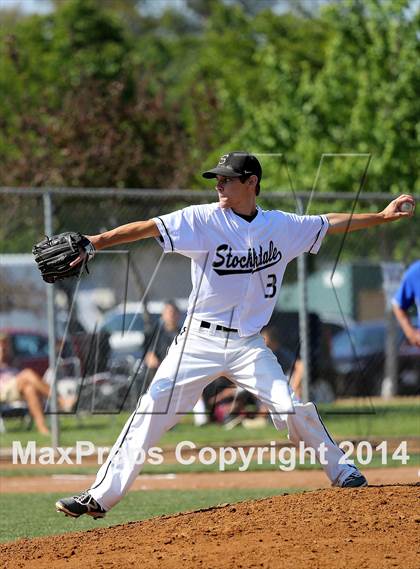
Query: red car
point(29, 349)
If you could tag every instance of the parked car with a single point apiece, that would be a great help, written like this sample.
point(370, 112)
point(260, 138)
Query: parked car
point(127, 325)
point(320, 337)
point(409, 369)
point(29, 349)
point(332, 326)
point(358, 357)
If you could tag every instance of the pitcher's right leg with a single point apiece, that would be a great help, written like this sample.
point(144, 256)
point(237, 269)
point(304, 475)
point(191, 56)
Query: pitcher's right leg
point(175, 389)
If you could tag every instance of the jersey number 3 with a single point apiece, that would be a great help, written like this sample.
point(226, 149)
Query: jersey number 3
point(271, 289)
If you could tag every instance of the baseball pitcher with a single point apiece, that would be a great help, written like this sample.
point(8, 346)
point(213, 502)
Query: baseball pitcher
point(239, 253)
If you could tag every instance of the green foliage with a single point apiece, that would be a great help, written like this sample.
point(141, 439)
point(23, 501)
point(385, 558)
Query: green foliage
point(346, 419)
point(113, 93)
point(77, 108)
point(353, 91)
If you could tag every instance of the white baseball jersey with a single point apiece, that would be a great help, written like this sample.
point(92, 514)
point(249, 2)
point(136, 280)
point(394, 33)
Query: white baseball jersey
point(237, 266)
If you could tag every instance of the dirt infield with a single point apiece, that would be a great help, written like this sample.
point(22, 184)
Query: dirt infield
point(311, 479)
point(372, 527)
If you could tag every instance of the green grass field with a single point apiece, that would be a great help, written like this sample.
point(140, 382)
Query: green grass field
point(346, 420)
point(177, 468)
point(32, 515)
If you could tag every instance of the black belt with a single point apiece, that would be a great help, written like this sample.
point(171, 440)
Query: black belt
point(205, 324)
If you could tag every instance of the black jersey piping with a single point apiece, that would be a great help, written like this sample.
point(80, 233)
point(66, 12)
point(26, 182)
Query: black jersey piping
point(167, 233)
point(325, 429)
point(317, 235)
point(116, 452)
point(128, 425)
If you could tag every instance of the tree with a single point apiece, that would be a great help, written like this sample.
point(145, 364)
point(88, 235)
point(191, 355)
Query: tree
point(78, 110)
point(362, 99)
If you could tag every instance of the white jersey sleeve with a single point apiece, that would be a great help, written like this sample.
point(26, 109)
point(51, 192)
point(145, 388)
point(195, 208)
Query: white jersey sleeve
point(305, 233)
point(181, 231)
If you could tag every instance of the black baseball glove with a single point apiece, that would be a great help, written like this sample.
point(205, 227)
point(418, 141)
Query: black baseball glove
point(54, 255)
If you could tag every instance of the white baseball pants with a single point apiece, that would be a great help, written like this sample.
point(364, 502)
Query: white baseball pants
point(194, 359)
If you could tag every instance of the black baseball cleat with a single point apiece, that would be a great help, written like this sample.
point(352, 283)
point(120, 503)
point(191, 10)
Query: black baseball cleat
point(354, 480)
point(76, 506)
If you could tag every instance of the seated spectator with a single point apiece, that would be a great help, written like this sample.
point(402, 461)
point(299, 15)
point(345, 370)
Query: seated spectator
point(24, 385)
point(229, 404)
point(161, 338)
point(219, 397)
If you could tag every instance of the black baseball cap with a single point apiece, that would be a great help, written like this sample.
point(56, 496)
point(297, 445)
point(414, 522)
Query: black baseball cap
point(236, 164)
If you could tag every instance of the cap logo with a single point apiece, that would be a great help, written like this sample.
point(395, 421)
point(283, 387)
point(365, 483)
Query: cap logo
point(223, 159)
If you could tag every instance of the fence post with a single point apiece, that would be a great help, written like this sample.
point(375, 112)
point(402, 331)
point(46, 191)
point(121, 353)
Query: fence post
point(303, 326)
point(391, 275)
point(303, 318)
point(55, 426)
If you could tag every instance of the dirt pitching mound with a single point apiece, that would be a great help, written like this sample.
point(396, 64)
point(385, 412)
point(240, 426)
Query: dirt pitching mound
point(377, 527)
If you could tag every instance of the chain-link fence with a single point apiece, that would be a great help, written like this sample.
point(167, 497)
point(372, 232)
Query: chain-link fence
point(104, 321)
